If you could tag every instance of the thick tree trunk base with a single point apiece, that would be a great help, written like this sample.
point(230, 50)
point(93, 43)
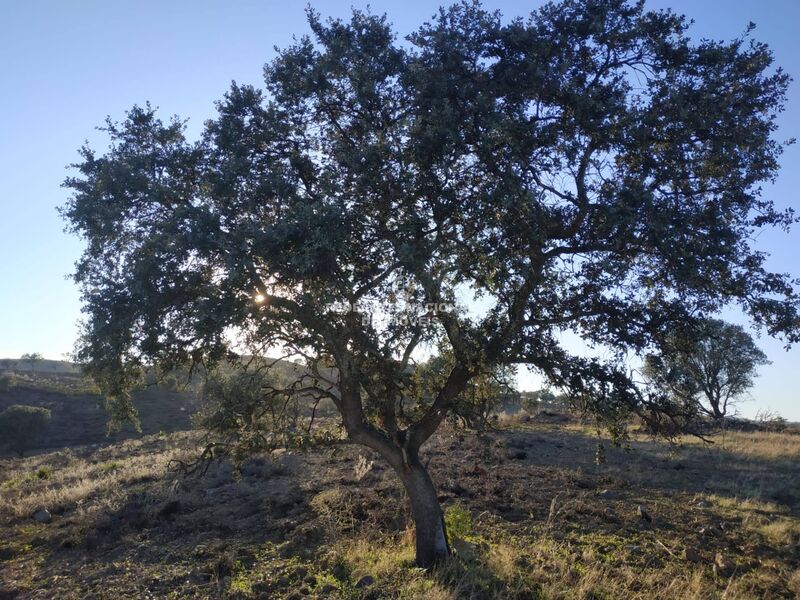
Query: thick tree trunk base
point(431, 535)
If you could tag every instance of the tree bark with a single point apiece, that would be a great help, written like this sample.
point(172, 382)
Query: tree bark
point(431, 543)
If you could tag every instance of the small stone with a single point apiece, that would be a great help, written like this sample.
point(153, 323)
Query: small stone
point(691, 555)
point(328, 588)
point(365, 581)
point(710, 530)
point(42, 516)
point(703, 504)
point(722, 565)
point(645, 516)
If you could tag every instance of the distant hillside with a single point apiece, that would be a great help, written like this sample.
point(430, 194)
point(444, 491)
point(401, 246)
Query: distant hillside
point(78, 416)
point(40, 366)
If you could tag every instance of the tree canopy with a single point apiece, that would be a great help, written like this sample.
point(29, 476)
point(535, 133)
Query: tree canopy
point(588, 168)
point(708, 367)
point(32, 358)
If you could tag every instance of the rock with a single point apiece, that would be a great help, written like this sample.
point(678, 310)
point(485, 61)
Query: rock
point(645, 516)
point(300, 572)
point(365, 581)
point(691, 555)
point(458, 489)
point(262, 589)
point(633, 548)
point(514, 515)
point(703, 504)
point(328, 588)
point(170, 508)
point(722, 565)
point(42, 516)
point(464, 549)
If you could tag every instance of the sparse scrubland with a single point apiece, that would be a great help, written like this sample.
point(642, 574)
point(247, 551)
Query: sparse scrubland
point(530, 515)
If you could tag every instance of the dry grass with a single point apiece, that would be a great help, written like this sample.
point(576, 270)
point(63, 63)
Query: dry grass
point(534, 516)
point(758, 445)
point(72, 480)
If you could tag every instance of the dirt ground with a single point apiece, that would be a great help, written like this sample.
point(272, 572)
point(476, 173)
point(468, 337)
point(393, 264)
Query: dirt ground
point(530, 513)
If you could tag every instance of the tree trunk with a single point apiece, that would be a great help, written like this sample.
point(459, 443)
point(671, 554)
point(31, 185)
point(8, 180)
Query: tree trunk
point(432, 546)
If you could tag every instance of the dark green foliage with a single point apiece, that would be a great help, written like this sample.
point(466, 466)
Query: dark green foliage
point(485, 393)
point(21, 427)
point(706, 367)
point(590, 168)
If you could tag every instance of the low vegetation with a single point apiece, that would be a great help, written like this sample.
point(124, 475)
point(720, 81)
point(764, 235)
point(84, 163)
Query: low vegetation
point(21, 427)
point(530, 515)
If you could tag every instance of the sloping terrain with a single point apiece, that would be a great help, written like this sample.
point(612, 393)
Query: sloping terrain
point(78, 416)
point(530, 513)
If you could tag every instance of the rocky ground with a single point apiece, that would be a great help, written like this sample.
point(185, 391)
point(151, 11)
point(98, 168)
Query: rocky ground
point(530, 513)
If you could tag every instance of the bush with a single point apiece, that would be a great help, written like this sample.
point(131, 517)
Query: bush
point(7, 381)
point(21, 426)
point(458, 521)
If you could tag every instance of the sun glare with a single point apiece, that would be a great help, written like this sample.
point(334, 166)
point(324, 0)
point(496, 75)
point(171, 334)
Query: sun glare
point(260, 298)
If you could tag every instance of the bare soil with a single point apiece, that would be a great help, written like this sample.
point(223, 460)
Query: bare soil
point(531, 516)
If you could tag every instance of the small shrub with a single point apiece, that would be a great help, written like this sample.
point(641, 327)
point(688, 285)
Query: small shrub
point(458, 521)
point(110, 467)
point(362, 467)
point(21, 426)
point(7, 381)
point(40, 474)
point(44, 473)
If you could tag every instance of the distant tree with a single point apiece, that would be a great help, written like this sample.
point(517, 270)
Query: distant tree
point(708, 366)
point(590, 168)
point(534, 400)
point(481, 397)
point(33, 359)
point(21, 427)
point(771, 421)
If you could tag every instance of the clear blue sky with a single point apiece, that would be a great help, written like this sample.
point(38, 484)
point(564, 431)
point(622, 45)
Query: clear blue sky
point(66, 65)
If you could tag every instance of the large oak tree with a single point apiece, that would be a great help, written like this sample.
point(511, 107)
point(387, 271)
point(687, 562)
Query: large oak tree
point(588, 168)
